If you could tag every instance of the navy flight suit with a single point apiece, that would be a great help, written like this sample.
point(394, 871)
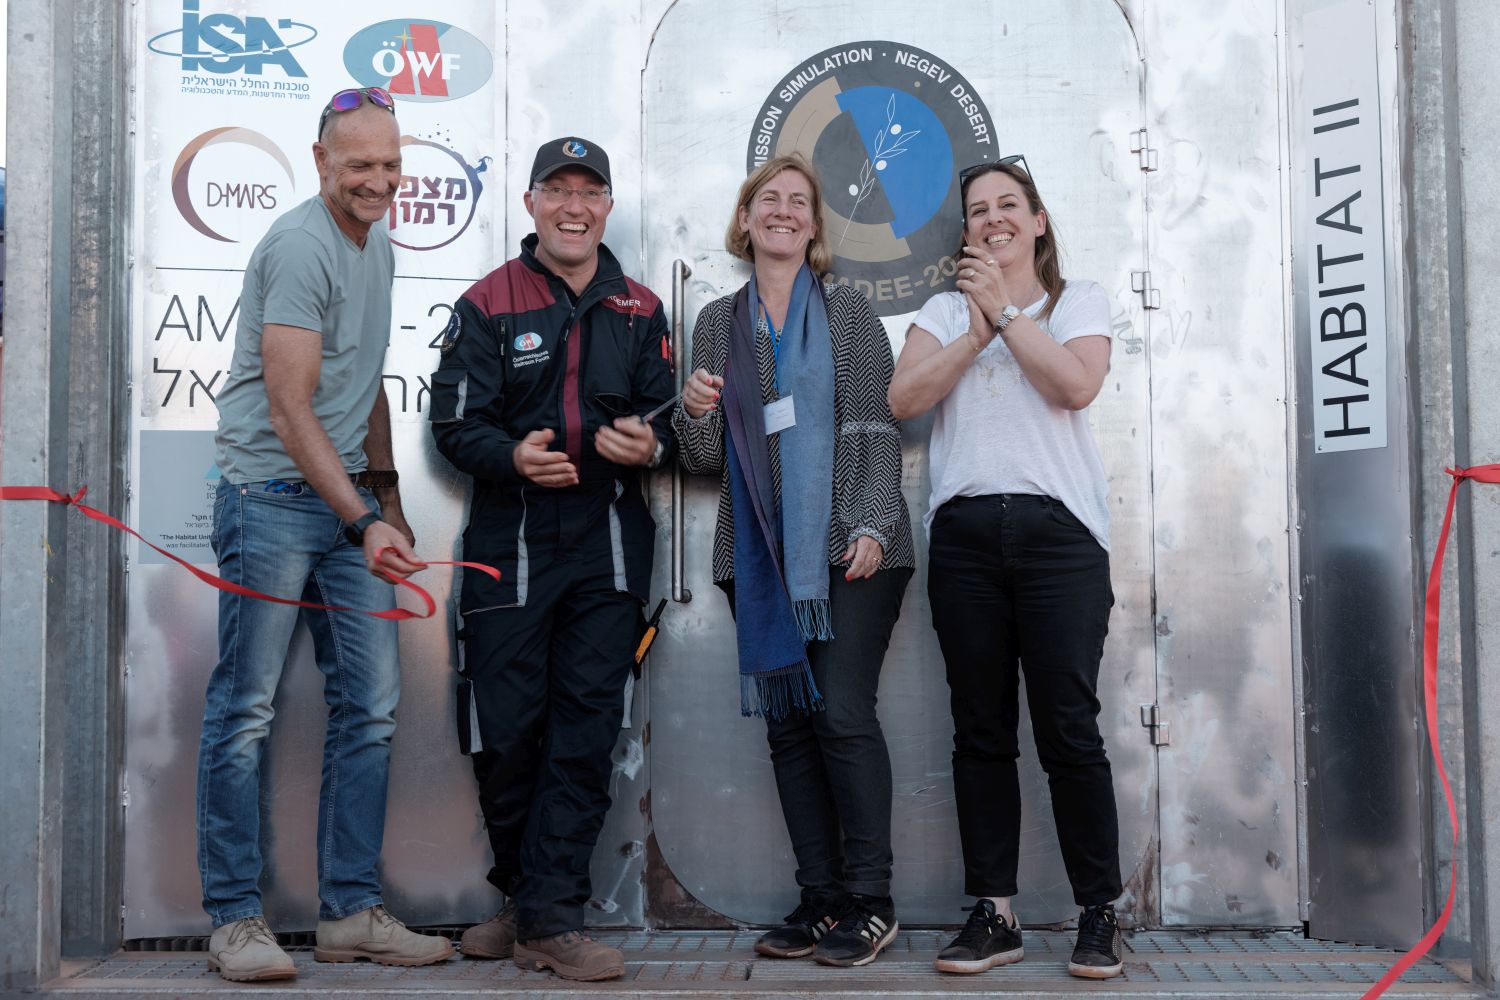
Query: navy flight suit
point(546, 650)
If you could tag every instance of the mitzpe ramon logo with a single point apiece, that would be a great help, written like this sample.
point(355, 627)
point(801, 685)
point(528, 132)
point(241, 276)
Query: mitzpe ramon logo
point(888, 127)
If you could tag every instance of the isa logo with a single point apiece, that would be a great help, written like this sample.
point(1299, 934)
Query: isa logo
point(422, 61)
point(226, 45)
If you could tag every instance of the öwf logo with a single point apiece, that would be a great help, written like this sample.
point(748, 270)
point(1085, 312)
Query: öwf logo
point(224, 44)
point(230, 183)
point(418, 60)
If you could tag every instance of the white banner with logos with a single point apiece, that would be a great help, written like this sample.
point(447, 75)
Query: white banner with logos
point(227, 99)
point(1343, 256)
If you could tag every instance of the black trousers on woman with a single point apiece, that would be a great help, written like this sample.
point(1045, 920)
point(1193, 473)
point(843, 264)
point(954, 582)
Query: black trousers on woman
point(833, 772)
point(1018, 584)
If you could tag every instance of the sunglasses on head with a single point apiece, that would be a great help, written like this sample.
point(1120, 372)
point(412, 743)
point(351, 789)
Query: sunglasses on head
point(966, 173)
point(348, 100)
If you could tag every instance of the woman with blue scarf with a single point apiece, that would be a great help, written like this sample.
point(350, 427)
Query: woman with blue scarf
point(813, 547)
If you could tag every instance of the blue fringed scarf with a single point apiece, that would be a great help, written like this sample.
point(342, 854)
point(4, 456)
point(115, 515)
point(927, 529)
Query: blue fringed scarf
point(781, 551)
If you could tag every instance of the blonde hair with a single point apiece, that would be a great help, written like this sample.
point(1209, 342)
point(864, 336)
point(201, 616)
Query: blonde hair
point(737, 240)
point(1048, 260)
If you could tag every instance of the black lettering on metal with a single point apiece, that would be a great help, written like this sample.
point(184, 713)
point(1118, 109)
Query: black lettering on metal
point(1319, 176)
point(176, 374)
point(1344, 402)
point(1344, 331)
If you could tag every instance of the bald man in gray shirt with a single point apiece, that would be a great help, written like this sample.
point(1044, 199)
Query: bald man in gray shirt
point(309, 509)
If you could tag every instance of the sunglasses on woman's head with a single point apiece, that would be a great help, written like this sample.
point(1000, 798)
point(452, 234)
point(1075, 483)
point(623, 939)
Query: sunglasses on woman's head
point(989, 165)
point(348, 100)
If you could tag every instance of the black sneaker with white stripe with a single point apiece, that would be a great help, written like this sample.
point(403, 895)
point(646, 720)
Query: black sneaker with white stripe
point(804, 928)
point(867, 926)
point(1097, 953)
point(986, 941)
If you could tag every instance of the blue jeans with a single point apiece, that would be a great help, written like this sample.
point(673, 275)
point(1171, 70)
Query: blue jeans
point(282, 539)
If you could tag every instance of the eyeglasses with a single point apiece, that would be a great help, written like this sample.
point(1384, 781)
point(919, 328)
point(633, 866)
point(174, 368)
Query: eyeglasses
point(348, 100)
point(967, 173)
point(560, 195)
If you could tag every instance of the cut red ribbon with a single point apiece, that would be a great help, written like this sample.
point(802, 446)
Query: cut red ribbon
point(392, 614)
point(1481, 474)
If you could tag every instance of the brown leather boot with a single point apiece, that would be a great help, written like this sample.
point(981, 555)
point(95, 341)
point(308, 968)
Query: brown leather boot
point(376, 935)
point(572, 955)
point(495, 938)
point(246, 951)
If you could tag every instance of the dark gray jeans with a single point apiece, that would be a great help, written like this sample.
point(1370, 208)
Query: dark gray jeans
point(833, 772)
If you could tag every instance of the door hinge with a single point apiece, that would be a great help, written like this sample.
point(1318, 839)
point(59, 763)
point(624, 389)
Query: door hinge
point(1161, 732)
point(1140, 145)
point(1140, 281)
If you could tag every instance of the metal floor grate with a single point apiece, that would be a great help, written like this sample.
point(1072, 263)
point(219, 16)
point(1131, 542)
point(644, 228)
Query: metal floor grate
point(722, 964)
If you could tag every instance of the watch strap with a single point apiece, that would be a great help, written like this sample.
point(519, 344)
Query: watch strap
point(354, 531)
point(1007, 316)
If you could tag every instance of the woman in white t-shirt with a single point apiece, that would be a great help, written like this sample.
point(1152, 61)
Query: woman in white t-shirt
point(1018, 573)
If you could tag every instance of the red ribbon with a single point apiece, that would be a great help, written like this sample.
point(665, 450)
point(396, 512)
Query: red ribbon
point(1482, 474)
point(393, 614)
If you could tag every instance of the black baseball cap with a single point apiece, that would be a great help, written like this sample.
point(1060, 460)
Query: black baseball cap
point(569, 151)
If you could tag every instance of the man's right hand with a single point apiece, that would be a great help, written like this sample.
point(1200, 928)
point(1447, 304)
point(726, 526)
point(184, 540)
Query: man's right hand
point(543, 467)
point(398, 563)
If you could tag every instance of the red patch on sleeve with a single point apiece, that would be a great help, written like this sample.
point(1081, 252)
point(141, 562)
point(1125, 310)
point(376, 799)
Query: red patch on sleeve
point(666, 352)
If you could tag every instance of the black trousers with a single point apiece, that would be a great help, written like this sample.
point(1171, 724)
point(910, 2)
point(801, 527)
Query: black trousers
point(833, 772)
point(548, 684)
point(1018, 585)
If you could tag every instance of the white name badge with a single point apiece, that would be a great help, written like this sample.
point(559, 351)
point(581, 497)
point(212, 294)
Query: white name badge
point(780, 415)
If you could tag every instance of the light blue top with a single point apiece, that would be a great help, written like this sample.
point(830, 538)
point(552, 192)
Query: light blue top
point(306, 273)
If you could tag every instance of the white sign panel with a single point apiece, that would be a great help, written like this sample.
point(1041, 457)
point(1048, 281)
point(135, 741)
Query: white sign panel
point(227, 104)
point(1343, 256)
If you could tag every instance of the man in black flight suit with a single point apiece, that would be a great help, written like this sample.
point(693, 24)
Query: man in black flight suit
point(548, 365)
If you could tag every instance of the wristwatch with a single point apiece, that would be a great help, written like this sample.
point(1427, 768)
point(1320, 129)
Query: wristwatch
point(657, 455)
point(1007, 316)
point(354, 531)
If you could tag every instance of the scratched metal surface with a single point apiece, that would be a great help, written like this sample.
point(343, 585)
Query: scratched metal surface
point(1275, 966)
point(1200, 384)
point(435, 853)
point(1063, 84)
point(1220, 468)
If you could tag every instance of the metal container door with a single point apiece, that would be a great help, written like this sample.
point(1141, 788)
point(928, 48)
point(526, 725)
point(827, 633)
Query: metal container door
point(727, 83)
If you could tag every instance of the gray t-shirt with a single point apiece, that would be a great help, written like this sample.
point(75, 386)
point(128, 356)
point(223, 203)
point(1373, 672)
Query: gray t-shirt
point(306, 273)
point(994, 433)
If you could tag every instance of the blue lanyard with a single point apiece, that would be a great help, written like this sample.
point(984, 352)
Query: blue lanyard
point(775, 344)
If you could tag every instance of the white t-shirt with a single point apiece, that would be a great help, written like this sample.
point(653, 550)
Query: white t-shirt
point(994, 433)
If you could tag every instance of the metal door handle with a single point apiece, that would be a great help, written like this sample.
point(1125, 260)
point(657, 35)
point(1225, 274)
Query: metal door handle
point(680, 593)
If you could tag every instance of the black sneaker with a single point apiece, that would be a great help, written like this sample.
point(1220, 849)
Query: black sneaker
point(985, 942)
point(804, 928)
point(867, 926)
point(1097, 953)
